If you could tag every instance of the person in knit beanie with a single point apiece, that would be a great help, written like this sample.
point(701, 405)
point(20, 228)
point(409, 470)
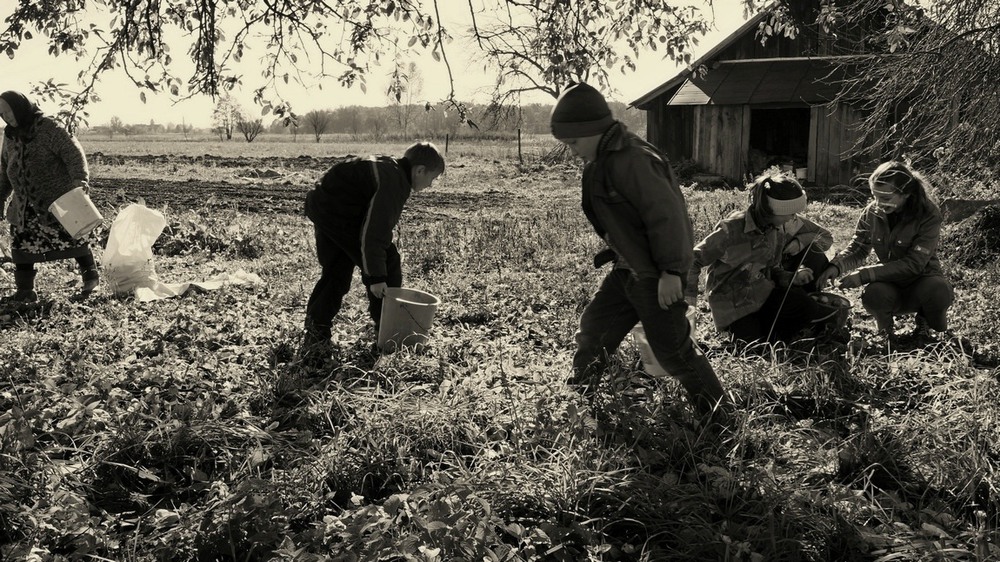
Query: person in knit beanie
point(634, 203)
point(762, 263)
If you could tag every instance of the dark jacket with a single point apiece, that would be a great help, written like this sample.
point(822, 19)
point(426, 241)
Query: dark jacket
point(905, 253)
point(632, 198)
point(358, 202)
point(39, 168)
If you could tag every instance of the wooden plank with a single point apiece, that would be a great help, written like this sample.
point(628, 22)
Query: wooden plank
point(833, 138)
point(822, 147)
point(696, 144)
point(744, 142)
point(846, 143)
point(813, 144)
point(713, 140)
point(734, 158)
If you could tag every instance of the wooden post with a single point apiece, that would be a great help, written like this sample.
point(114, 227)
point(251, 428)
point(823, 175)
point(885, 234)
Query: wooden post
point(520, 159)
point(446, 144)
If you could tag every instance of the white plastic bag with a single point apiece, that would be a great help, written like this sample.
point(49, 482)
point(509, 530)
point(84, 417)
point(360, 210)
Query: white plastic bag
point(128, 257)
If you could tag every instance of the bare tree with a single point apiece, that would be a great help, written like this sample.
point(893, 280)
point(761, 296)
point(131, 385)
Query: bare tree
point(250, 128)
point(226, 115)
point(318, 122)
point(406, 85)
point(115, 125)
point(534, 45)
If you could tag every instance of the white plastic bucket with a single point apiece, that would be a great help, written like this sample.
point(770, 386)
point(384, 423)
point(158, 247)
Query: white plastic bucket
point(76, 212)
point(407, 315)
point(650, 364)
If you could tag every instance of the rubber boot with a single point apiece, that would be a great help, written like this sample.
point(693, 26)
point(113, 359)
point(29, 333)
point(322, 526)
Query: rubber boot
point(24, 281)
point(317, 344)
point(91, 279)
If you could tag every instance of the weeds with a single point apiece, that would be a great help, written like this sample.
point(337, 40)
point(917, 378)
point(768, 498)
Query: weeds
point(186, 429)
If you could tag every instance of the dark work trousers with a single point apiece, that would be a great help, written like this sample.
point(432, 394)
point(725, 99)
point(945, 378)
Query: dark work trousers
point(928, 296)
point(338, 259)
point(787, 310)
point(620, 303)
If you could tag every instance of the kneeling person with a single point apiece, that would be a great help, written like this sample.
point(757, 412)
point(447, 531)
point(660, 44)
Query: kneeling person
point(762, 262)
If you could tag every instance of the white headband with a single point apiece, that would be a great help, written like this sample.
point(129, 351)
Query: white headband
point(787, 206)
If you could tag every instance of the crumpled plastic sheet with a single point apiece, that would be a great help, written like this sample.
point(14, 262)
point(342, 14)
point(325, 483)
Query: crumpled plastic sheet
point(158, 290)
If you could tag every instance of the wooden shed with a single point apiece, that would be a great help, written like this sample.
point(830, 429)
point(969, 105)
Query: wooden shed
point(745, 105)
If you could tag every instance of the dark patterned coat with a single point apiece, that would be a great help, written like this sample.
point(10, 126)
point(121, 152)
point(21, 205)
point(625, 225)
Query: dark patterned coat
point(40, 169)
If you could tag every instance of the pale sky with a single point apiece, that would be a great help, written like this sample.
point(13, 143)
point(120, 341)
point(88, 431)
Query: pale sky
point(120, 98)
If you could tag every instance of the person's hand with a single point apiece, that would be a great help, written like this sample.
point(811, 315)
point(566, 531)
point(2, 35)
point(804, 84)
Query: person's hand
point(378, 289)
point(803, 276)
point(851, 281)
point(793, 247)
point(826, 276)
point(692, 318)
point(669, 290)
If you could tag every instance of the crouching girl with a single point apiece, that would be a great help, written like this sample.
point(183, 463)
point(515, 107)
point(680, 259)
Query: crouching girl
point(762, 263)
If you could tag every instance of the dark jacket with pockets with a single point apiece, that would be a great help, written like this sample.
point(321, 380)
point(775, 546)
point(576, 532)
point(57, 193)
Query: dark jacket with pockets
point(634, 202)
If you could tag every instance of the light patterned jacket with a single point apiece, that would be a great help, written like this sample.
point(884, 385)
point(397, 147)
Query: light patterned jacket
point(40, 170)
point(744, 263)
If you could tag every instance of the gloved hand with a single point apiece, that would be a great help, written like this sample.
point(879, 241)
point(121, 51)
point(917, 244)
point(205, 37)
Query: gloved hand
point(607, 255)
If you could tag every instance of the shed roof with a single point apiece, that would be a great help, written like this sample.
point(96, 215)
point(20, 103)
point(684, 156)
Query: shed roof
point(644, 101)
point(760, 81)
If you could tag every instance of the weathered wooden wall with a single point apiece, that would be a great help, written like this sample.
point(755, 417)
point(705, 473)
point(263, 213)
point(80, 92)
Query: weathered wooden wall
point(832, 135)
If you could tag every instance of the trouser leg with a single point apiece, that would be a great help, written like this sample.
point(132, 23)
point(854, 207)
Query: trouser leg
point(930, 297)
point(335, 281)
point(669, 336)
point(605, 322)
point(785, 313)
point(394, 278)
point(882, 300)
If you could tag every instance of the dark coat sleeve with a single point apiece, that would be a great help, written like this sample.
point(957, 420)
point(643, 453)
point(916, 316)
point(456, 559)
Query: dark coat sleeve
point(383, 214)
point(651, 187)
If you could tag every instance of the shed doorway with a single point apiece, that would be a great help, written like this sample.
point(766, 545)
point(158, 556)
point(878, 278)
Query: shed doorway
point(778, 137)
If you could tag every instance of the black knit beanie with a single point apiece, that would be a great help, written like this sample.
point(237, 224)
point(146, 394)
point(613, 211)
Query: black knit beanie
point(581, 111)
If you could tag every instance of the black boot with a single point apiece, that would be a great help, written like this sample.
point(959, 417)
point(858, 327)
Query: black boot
point(24, 280)
point(91, 279)
point(317, 344)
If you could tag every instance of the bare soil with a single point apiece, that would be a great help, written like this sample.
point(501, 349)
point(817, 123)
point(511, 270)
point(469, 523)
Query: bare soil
point(275, 185)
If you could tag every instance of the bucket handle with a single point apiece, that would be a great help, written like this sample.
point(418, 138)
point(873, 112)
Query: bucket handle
point(415, 321)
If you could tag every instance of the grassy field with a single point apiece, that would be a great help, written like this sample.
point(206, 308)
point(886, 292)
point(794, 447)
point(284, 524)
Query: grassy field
point(184, 429)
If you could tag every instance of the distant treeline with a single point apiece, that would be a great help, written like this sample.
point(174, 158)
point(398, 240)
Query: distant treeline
point(394, 121)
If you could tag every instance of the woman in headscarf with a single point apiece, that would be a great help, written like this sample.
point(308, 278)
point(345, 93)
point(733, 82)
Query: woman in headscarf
point(39, 163)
